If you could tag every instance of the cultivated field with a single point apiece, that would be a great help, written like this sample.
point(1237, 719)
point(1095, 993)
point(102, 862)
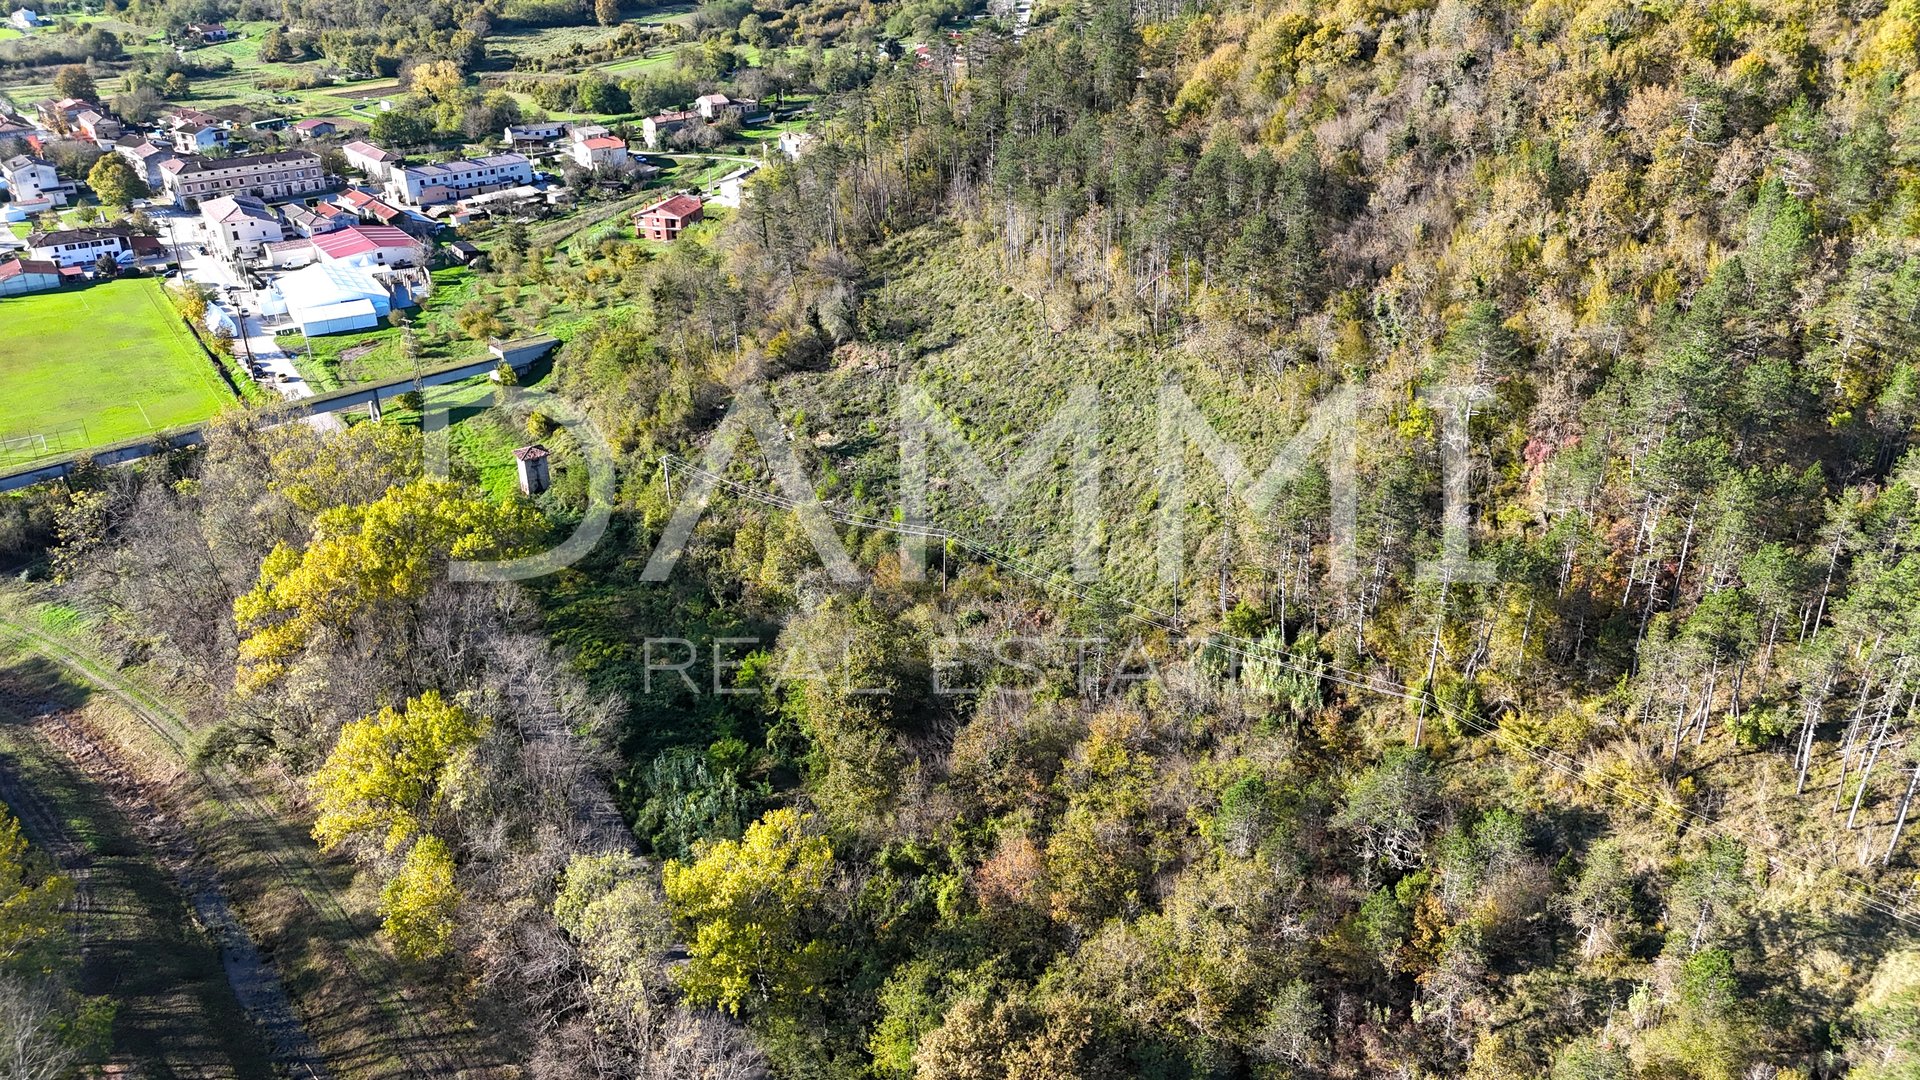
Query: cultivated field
point(88, 366)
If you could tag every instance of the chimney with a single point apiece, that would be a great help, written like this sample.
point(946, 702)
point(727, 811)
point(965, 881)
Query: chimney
point(532, 461)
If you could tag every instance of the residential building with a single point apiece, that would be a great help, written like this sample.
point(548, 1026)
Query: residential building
point(80, 247)
point(19, 276)
point(210, 33)
point(198, 138)
point(96, 126)
point(731, 190)
point(288, 174)
point(527, 136)
point(370, 159)
point(315, 128)
point(795, 143)
point(34, 180)
point(657, 128)
point(370, 246)
point(196, 132)
point(314, 220)
point(146, 159)
point(23, 19)
point(59, 115)
point(429, 185)
point(608, 151)
point(666, 219)
point(713, 107)
point(239, 225)
point(366, 206)
point(465, 251)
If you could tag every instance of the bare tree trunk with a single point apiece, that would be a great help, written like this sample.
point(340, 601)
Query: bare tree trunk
point(1706, 704)
point(1810, 719)
point(1680, 720)
point(1853, 724)
point(1686, 546)
point(1812, 633)
point(1900, 821)
point(1873, 757)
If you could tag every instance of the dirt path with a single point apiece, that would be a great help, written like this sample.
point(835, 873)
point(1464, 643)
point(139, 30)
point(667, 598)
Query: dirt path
point(255, 982)
point(427, 1048)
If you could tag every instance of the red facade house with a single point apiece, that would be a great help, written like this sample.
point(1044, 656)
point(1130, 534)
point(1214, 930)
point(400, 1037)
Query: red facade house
point(665, 219)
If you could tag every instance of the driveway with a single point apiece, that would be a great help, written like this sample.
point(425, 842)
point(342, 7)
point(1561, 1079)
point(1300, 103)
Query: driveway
point(260, 341)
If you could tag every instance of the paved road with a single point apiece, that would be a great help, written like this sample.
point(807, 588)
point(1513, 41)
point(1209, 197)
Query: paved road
point(185, 233)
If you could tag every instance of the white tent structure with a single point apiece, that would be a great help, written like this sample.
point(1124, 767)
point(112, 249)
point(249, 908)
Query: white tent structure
point(328, 298)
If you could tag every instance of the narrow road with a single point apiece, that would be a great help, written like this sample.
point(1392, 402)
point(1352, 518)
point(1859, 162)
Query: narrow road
point(255, 980)
point(429, 1047)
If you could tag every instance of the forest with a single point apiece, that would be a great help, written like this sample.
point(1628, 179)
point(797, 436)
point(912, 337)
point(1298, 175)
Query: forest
point(1627, 293)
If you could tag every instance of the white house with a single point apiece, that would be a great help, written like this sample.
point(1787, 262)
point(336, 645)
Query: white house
point(370, 159)
point(657, 128)
point(609, 151)
point(80, 247)
point(519, 136)
point(146, 159)
point(240, 225)
point(98, 126)
point(197, 138)
point(795, 143)
point(712, 107)
point(33, 180)
point(430, 185)
point(731, 189)
point(23, 19)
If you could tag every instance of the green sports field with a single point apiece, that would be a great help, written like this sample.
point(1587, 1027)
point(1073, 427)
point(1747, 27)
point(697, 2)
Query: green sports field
point(93, 365)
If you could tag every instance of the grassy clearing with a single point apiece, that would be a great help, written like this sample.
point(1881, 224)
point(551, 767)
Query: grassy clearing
point(175, 1012)
point(480, 438)
point(558, 307)
point(98, 364)
point(998, 364)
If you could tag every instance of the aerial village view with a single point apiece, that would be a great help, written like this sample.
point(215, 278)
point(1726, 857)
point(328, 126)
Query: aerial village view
point(960, 539)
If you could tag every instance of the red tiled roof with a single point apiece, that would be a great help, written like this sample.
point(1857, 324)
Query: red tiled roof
point(604, 142)
point(679, 206)
point(12, 268)
point(358, 239)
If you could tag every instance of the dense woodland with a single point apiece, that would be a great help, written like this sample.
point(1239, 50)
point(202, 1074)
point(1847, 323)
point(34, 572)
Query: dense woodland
point(1634, 805)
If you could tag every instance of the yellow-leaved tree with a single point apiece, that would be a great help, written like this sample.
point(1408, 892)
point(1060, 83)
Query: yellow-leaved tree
point(417, 906)
point(33, 916)
point(388, 776)
point(375, 558)
point(743, 902)
point(390, 772)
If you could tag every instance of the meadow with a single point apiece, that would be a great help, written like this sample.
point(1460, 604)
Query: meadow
point(94, 365)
